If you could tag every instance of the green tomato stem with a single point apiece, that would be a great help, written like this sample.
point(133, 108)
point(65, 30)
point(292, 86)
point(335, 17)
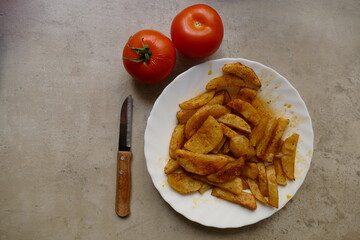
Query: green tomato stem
point(144, 53)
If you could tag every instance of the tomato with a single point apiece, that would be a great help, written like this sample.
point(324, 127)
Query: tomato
point(197, 31)
point(149, 56)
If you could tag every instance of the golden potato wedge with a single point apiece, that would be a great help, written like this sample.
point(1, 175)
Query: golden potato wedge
point(171, 166)
point(226, 148)
point(258, 132)
point(204, 188)
point(254, 188)
point(177, 140)
point(262, 107)
point(202, 164)
point(183, 183)
point(247, 94)
point(288, 153)
point(272, 186)
point(273, 146)
point(246, 110)
point(230, 171)
point(228, 131)
point(280, 175)
point(196, 120)
point(226, 80)
point(206, 138)
point(250, 170)
point(244, 199)
point(198, 101)
point(242, 71)
point(235, 121)
point(184, 115)
point(261, 147)
point(219, 146)
point(240, 146)
point(235, 185)
point(217, 99)
point(262, 178)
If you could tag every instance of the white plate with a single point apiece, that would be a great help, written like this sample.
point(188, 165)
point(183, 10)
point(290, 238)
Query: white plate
point(206, 209)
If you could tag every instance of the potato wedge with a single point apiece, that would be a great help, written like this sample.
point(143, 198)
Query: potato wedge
point(217, 99)
point(202, 164)
point(196, 120)
point(262, 178)
point(273, 146)
point(184, 115)
point(206, 138)
point(218, 147)
point(272, 186)
point(244, 199)
point(280, 175)
point(177, 140)
point(247, 94)
point(250, 170)
point(288, 153)
point(204, 188)
point(235, 121)
point(240, 146)
point(198, 101)
point(230, 171)
point(234, 186)
point(171, 166)
point(254, 188)
point(261, 147)
point(242, 71)
point(258, 132)
point(183, 183)
point(226, 80)
point(246, 110)
point(228, 131)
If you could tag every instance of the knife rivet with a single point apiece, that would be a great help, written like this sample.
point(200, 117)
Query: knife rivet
point(122, 158)
point(121, 172)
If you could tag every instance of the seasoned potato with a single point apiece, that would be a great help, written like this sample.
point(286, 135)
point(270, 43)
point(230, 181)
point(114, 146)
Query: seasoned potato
point(261, 147)
point(171, 166)
point(250, 170)
point(254, 188)
point(226, 80)
point(258, 132)
point(280, 175)
point(263, 185)
point(273, 147)
point(204, 188)
point(288, 153)
point(247, 94)
point(196, 120)
point(272, 186)
point(242, 71)
point(177, 140)
point(206, 138)
point(235, 121)
point(218, 147)
point(182, 183)
point(230, 171)
point(184, 115)
point(198, 101)
point(217, 99)
point(202, 164)
point(240, 146)
point(235, 185)
point(244, 199)
point(246, 110)
point(228, 131)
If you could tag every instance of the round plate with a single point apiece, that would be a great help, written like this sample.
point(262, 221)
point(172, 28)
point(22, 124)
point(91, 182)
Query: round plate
point(206, 209)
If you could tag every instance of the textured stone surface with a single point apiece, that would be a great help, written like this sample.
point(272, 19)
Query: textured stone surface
point(62, 83)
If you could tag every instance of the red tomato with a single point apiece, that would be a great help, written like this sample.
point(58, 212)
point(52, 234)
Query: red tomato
point(149, 56)
point(197, 31)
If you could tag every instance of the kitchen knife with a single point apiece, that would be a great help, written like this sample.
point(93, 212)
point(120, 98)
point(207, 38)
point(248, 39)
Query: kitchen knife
point(123, 174)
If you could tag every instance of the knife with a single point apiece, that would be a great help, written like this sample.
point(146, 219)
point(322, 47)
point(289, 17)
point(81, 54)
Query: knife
point(123, 174)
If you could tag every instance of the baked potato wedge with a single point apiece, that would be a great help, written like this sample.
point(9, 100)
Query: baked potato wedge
point(246, 110)
point(226, 80)
point(183, 183)
point(245, 73)
point(244, 199)
point(234, 121)
point(198, 101)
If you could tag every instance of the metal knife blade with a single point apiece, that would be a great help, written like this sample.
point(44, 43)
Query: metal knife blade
point(123, 174)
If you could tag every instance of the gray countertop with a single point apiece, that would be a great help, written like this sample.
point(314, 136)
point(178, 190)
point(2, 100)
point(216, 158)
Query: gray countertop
point(62, 83)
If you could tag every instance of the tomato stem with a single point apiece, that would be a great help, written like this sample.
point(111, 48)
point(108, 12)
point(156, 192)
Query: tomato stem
point(144, 53)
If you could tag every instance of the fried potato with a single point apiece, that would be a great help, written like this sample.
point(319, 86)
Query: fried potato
point(262, 178)
point(258, 132)
point(217, 99)
point(280, 175)
point(204, 188)
point(226, 148)
point(240, 146)
point(247, 94)
point(226, 80)
point(272, 186)
point(273, 147)
point(261, 147)
point(254, 188)
point(250, 170)
point(196, 120)
point(198, 101)
point(230, 171)
point(228, 131)
point(171, 166)
point(206, 138)
point(219, 146)
point(235, 121)
point(288, 153)
point(242, 71)
point(244, 199)
point(246, 110)
point(182, 183)
point(235, 185)
point(184, 115)
point(177, 140)
point(202, 164)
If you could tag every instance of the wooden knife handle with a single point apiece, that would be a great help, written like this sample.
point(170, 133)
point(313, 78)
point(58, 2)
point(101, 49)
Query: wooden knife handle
point(123, 184)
